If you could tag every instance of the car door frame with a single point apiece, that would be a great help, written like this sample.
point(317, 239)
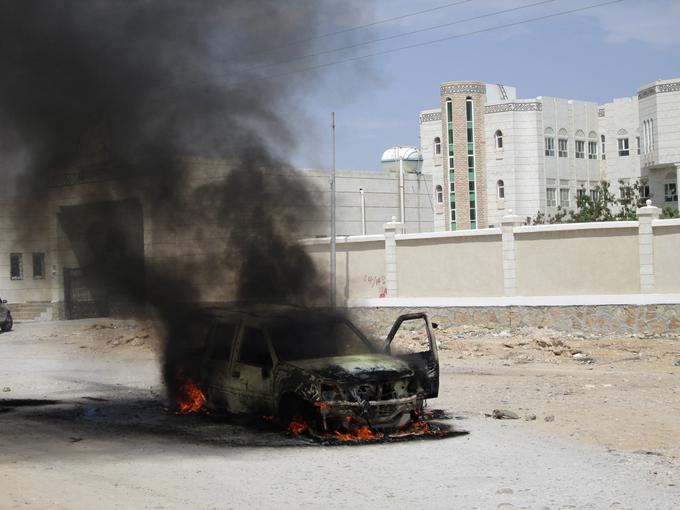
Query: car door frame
point(426, 363)
point(247, 397)
point(215, 376)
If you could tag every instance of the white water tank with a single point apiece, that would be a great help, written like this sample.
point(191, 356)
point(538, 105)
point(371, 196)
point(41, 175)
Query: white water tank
point(413, 160)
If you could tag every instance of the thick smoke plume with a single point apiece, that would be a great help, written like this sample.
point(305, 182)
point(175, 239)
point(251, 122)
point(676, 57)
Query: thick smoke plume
point(129, 98)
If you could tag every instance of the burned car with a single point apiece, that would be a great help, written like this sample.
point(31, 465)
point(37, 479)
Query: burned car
point(6, 321)
point(311, 366)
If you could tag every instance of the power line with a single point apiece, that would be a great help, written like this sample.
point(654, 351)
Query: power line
point(396, 36)
point(442, 39)
point(380, 22)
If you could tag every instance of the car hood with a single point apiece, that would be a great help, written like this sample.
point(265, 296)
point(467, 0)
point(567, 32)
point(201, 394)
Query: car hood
point(364, 367)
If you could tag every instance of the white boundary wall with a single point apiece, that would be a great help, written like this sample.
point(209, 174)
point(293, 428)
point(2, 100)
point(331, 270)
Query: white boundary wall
point(608, 263)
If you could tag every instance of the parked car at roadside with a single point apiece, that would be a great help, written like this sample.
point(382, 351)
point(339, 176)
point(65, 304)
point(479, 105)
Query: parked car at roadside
point(6, 321)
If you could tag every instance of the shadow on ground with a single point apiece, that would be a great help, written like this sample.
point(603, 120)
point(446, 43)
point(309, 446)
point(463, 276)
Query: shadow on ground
point(147, 420)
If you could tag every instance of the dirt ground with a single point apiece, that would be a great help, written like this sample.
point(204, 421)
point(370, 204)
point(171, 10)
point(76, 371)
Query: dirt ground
point(597, 427)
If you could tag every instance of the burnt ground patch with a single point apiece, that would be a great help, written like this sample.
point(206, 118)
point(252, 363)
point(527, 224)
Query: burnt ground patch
point(147, 419)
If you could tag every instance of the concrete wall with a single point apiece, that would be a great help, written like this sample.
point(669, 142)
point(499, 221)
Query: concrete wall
point(450, 265)
point(515, 262)
point(381, 198)
point(666, 255)
point(551, 260)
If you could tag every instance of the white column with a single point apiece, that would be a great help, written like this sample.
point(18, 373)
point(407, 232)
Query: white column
point(646, 243)
point(508, 224)
point(391, 230)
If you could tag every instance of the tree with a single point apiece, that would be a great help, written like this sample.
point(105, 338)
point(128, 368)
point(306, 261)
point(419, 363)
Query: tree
point(669, 212)
point(631, 198)
point(602, 205)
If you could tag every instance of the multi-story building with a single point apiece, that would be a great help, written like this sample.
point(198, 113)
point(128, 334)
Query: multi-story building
point(490, 153)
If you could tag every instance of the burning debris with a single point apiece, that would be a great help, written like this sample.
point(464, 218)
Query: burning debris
point(312, 372)
point(190, 398)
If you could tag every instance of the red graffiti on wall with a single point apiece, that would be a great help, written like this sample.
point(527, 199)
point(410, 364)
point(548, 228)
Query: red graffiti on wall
point(377, 282)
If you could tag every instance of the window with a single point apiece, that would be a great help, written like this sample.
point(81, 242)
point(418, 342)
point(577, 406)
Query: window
point(623, 147)
point(38, 266)
point(592, 150)
point(469, 115)
point(564, 197)
point(580, 193)
point(594, 195)
point(550, 197)
point(670, 192)
point(223, 337)
point(439, 193)
point(604, 156)
point(562, 150)
point(499, 139)
point(500, 186)
point(549, 146)
point(254, 349)
point(16, 266)
point(637, 139)
point(644, 191)
point(437, 146)
point(580, 149)
point(625, 191)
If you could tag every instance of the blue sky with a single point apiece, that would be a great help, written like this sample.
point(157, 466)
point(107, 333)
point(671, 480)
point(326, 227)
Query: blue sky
point(594, 55)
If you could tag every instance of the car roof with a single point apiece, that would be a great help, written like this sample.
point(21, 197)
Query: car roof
point(261, 311)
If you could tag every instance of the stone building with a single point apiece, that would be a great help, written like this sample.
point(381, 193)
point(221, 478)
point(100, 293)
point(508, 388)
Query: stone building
point(489, 152)
point(48, 247)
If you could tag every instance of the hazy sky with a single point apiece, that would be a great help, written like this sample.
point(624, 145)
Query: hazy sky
point(593, 55)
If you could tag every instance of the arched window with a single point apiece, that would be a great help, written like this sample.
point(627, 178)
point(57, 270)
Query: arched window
point(439, 193)
point(604, 155)
point(499, 139)
point(562, 143)
point(437, 146)
point(549, 142)
point(500, 188)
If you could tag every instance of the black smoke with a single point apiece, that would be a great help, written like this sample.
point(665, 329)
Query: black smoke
point(124, 100)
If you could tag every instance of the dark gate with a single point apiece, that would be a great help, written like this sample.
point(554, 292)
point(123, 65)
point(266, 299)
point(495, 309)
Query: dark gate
point(81, 298)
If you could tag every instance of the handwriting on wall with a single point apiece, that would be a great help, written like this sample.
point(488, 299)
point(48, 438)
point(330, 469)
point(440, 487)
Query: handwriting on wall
point(377, 282)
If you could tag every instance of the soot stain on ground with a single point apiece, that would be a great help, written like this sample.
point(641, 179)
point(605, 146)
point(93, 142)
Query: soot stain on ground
point(143, 418)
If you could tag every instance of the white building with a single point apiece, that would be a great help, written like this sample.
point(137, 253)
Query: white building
point(540, 154)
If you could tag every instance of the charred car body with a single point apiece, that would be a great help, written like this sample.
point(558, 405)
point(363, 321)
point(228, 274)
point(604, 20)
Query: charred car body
point(316, 366)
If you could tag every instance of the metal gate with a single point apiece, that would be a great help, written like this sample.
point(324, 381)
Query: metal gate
point(82, 299)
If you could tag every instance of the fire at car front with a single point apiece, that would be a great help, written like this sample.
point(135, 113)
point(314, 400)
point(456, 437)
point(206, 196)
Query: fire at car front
point(375, 391)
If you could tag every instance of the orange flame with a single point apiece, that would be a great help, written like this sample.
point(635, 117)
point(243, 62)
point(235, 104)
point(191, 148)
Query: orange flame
point(190, 398)
point(360, 434)
point(297, 427)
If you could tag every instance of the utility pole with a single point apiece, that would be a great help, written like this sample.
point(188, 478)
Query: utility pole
point(332, 183)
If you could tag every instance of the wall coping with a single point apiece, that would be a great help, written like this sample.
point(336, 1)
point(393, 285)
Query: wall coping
point(670, 222)
point(576, 300)
point(444, 235)
point(342, 240)
point(561, 227)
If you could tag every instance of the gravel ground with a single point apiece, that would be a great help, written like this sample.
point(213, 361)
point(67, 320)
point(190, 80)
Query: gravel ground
point(605, 431)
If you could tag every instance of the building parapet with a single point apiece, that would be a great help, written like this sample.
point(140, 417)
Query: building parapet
point(430, 117)
point(659, 88)
point(463, 87)
point(533, 106)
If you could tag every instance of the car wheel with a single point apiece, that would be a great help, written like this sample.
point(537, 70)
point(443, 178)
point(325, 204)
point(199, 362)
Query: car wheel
point(9, 322)
point(293, 408)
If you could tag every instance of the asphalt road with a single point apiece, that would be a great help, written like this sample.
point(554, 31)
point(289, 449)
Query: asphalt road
point(106, 442)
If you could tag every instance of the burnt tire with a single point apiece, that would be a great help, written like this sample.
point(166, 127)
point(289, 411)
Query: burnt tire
point(9, 322)
point(293, 408)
